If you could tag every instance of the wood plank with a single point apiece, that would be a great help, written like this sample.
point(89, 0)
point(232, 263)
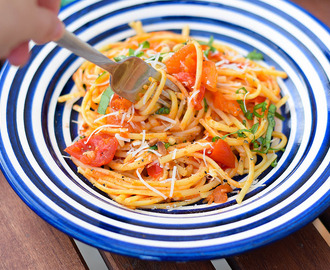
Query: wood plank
point(319, 8)
point(27, 241)
point(304, 249)
point(119, 262)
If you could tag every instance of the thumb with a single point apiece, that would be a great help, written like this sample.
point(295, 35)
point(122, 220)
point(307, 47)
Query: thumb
point(46, 27)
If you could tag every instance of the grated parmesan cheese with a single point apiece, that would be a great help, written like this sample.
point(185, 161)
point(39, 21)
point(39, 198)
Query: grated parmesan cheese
point(167, 119)
point(104, 116)
point(118, 137)
point(173, 180)
point(192, 96)
point(174, 153)
point(97, 130)
point(204, 150)
point(142, 147)
point(224, 61)
point(150, 187)
point(244, 100)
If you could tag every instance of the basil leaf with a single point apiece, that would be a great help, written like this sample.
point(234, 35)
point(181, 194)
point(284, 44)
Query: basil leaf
point(240, 132)
point(214, 139)
point(265, 142)
point(206, 106)
point(167, 145)
point(145, 44)
point(163, 110)
point(254, 55)
point(254, 128)
point(262, 106)
point(279, 116)
point(154, 147)
point(119, 58)
point(247, 113)
point(210, 44)
point(271, 125)
point(136, 53)
point(105, 99)
point(239, 90)
point(274, 163)
point(100, 76)
point(139, 54)
point(131, 52)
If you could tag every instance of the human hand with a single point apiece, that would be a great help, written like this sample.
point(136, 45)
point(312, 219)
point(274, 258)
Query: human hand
point(25, 20)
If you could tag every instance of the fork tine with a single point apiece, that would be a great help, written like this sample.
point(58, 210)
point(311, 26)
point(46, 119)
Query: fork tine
point(163, 102)
point(171, 85)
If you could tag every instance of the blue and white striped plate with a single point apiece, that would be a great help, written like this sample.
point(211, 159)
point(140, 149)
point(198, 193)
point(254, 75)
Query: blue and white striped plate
point(35, 129)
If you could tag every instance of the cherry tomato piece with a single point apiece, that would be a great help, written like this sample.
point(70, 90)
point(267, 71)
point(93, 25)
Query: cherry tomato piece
point(95, 151)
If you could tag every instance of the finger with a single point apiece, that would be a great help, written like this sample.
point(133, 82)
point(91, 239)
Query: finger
point(53, 5)
point(46, 27)
point(19, 55)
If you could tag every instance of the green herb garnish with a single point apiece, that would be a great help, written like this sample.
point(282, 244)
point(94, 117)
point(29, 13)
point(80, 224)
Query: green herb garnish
point(210, 44)
point(214, 139)
point(254, 128)
point(274, 163)
point(279, 116)
point(271, 125)
point(136, 53)
point(240, 132)
point(262, 106)
point(105, 99)
point(254, 55)
point(154, 57)
point(206, 106)
point(167, 145)
point(265, 142)
point(145, 44)
point(241, 103)
point(100, 76)
point(154, 147)
point(163, 110)
point(119, 58)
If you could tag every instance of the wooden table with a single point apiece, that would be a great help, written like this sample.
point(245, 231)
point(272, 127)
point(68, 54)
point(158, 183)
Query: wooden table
point(28, 242)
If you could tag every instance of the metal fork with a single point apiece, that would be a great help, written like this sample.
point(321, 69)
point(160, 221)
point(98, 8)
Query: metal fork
point(127, 76)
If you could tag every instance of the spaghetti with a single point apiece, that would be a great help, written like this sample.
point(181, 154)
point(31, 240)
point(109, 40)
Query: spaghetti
point(171, 149)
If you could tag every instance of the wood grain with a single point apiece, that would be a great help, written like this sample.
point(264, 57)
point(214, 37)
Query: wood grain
point(27, 241)
point(305, 249)
point(319, 8)
point(118, 262)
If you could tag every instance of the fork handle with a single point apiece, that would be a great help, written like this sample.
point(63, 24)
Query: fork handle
point(74, 44)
